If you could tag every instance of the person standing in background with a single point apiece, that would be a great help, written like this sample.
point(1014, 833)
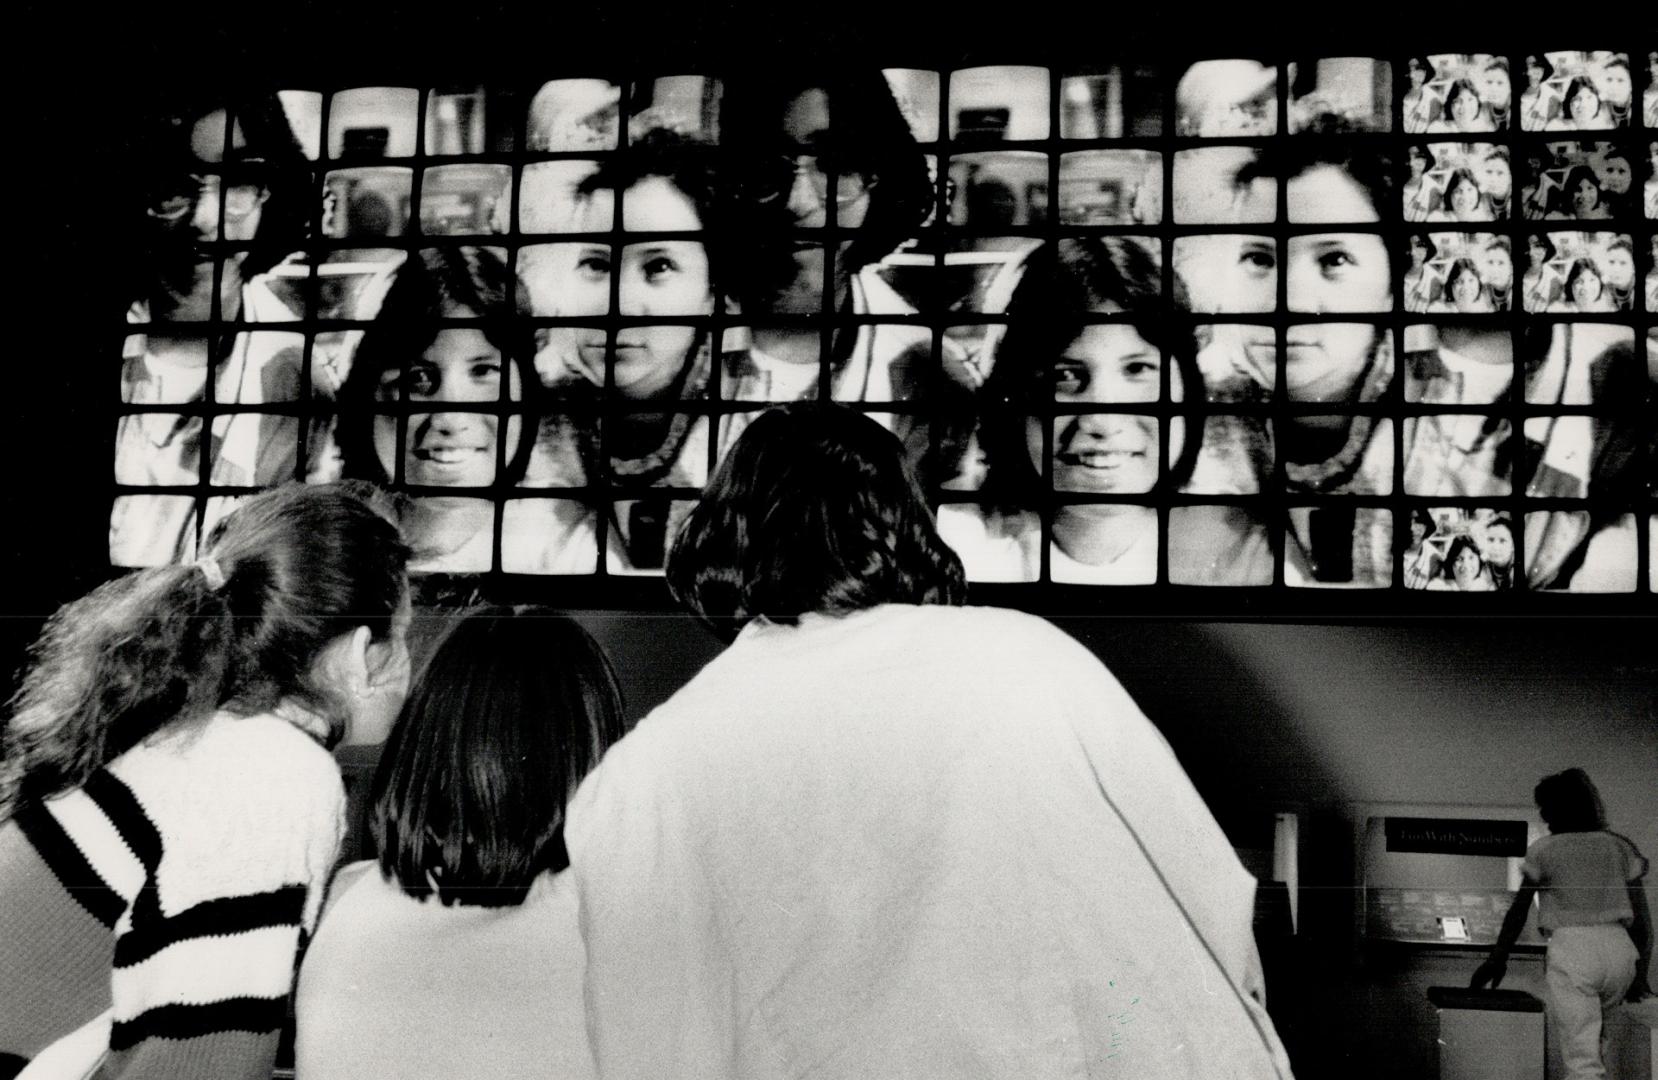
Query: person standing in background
point(1592, 910)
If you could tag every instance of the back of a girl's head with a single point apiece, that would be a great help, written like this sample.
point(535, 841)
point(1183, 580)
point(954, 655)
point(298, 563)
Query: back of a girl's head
point(1569, 802)
point(282, 576)
point(815, 509)
point(303, 564)
point(512, 709)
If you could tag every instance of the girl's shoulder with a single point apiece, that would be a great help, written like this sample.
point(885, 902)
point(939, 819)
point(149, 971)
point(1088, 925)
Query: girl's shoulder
point(256, 767)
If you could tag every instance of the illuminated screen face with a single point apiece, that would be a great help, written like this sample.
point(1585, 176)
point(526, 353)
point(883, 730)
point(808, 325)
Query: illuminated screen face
point(1586, 286)
point(1585, 197)
point(1495, 87)
point(1465, 105)
point(1614, 85)
point(1585, 105)
point(189, 206)
point(1327, 361)
point(1466, 569)
point(1497, 544)
point(661, 278)
point(1105, 452)
point(1497, 267)
point(1335, 272)
point(1465, 197)
point(1619, 267)
point(1468, 287)
point(805, 129)
point(449, 448)
point(1496, 178)
point(1615, 174)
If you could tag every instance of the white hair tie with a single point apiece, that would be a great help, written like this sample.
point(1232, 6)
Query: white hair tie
point(211, 570)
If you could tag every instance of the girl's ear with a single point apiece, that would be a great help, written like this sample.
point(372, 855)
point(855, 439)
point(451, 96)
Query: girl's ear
point(343, 664)
point(371, 678)
point(386, 662)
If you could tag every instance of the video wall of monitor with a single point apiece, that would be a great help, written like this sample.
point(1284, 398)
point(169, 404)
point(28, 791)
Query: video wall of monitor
point(1384, 323)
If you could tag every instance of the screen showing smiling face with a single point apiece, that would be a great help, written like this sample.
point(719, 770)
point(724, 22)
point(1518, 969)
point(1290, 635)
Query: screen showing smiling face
point(1291, 285)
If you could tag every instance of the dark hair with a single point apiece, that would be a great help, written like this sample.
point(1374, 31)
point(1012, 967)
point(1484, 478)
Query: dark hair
point(686, 162)
point(815, 509)
point(1580, 267)
point(1542, 62)
point(512, 709)
point(1422, 62)
point(1502, 576)
point(1462, 543)
point(1458, 89)
point(1329, 146)
point(1544, 241)
point(431, 286)
point(1061, 286)
point(1576, 175)
point(1459, 177)
point(1577, 86)
point(1427, 242)
point(1427, 519)
point(869, 131)
point(1459, 267)
point(1569, 802)
point(163, 647)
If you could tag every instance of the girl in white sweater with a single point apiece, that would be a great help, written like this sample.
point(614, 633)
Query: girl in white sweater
point(169, 808)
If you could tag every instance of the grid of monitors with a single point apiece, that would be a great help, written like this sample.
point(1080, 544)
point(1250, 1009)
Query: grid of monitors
point(1365, 322)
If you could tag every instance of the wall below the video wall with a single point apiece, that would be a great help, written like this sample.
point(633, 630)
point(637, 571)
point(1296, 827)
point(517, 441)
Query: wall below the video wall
point(1322, 718)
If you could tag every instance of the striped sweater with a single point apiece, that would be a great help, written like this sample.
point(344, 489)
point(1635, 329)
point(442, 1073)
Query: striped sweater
point(174, 889)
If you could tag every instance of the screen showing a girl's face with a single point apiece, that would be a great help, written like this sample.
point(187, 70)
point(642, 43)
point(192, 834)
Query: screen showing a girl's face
point(444, 447)
point(1104, 452)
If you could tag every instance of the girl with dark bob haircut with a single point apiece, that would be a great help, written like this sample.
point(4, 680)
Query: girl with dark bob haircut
point(443, 393)
point(815, 509)
point(512, 710)
point(433, 286)
point(1062, 288)
point(467, 920)
point(166, 768)
point(1097, 401)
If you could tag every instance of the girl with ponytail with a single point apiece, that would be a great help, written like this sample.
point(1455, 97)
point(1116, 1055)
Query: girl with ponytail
point(169, 807)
